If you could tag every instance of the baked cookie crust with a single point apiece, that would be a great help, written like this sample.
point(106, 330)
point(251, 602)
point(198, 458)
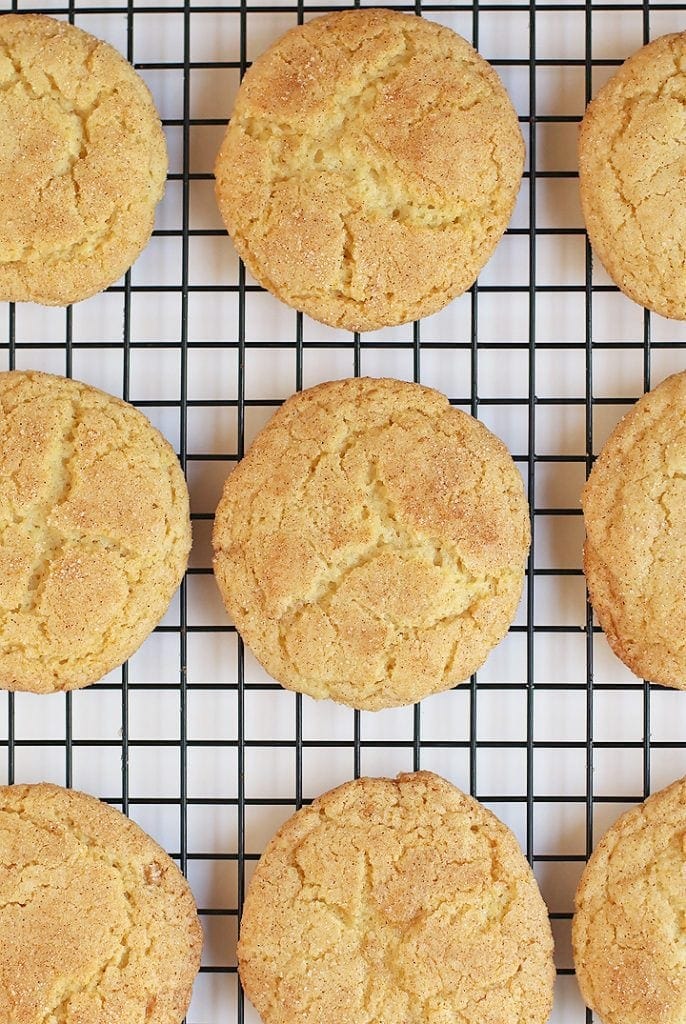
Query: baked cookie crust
point(97, 924)
point(630, 906)
point(83, 162)
point(371, 164)
point(635, 552)
point(401, 901)
point(632, 150)
point(94, 531)
point(371, 545)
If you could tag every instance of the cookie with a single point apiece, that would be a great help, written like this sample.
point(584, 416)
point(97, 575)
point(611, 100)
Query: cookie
point(628, 928)
point(97, 924)
point(371, 545)
point(635, 553)
point(83, 162)
point(371, 164)
point(633, 190)
point(402, 901)
point(94, 531)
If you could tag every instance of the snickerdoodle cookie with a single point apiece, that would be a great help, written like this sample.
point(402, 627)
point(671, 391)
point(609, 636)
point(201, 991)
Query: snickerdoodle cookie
point(629, 930)
point(97, 924)
point(371, 545)
point(402, 901)
point(635, 553)
point(632, 153)
point(82, 162)
point(94, 531)
point(371, 165)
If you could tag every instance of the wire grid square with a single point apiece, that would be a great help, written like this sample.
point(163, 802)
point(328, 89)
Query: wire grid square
point(191, 737)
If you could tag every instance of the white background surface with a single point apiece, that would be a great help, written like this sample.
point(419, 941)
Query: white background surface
point(515, 762)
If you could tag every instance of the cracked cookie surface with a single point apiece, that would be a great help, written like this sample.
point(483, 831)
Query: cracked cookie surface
point(97, 924)
point(371, 165)
point(94, 531)
point(403, 901)
point(83, 162)
point(632, 163)
point(371, 545)
point(635, 553)
point(629, 931)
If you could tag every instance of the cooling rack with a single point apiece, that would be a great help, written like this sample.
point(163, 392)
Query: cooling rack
point(191, 738)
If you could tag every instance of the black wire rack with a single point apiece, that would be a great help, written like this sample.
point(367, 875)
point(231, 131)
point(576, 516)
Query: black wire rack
point(190, 738)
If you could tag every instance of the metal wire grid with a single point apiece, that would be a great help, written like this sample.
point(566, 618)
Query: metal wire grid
point(529, 808)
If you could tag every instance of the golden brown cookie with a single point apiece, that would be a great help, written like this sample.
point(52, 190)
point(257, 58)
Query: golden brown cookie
point(97, 924)
point(83, 162)
point(635, 554)
point(628, 932)
point(632, 153)
point(371, 545)
point(94, 531)
point(402, 901)
point(371, 164)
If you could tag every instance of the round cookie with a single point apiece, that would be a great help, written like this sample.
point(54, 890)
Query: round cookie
point(635, 553)
point(83, 162)
point(371, 545)
point(628, 933)
point(97, 924)
point(371, 165)
point(94, 531)
point(402, 901)
point(632, 150)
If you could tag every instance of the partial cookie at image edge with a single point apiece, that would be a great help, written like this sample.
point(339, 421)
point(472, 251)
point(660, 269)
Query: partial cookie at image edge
point(632, 194)
point(95, 531)
point(634, 533)
point(356, 893)
point(84, 165)
point(94, 916)
point(633, 886)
